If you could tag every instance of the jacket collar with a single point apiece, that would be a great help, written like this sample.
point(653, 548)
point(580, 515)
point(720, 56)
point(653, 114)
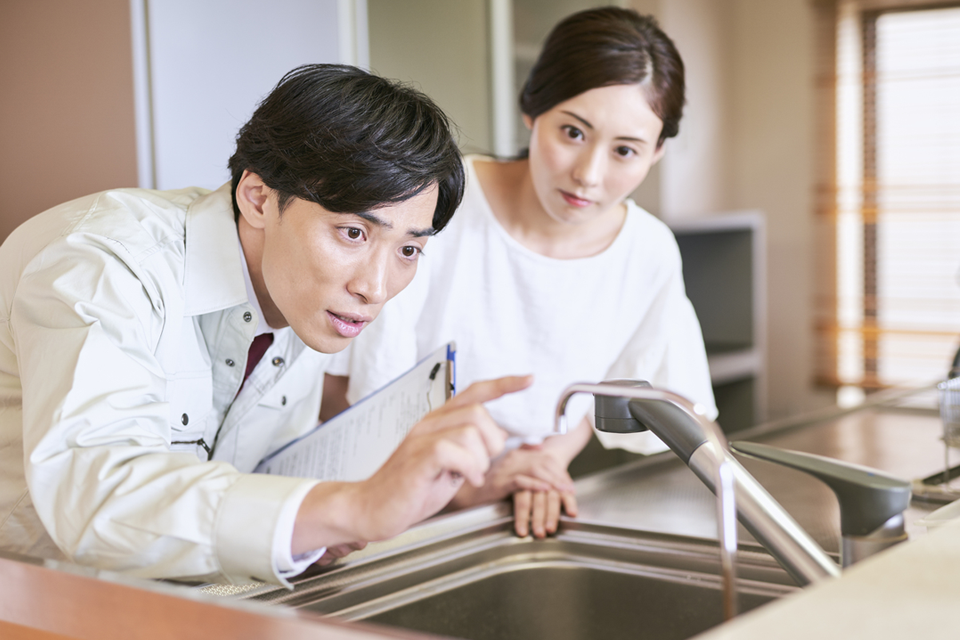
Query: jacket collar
point(213, 271)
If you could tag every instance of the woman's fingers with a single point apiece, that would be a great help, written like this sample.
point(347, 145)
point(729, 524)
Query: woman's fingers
point(529, 483)
point(521, 512)
point(552, 517)
point(538, 512)
point(548, 469)
point(569, 504)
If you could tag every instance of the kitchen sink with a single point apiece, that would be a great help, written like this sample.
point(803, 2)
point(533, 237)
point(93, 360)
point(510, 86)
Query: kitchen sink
point(588, 581)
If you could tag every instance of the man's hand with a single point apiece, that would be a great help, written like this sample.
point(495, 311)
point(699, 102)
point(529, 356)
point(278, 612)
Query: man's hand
point(338, 551)
point(450, 446)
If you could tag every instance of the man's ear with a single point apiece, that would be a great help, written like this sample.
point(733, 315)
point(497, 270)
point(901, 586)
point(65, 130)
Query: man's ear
point(252, 196)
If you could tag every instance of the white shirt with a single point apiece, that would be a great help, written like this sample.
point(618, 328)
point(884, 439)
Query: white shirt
point(124, 329)
point(622, 313)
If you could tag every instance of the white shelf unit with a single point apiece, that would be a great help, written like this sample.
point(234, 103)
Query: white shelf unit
point(724, 269)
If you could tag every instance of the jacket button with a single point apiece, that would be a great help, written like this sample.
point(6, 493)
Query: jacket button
point(247, 316)
point(283, 401)
point(277, 361)
point(184, 419)
point(230, 362)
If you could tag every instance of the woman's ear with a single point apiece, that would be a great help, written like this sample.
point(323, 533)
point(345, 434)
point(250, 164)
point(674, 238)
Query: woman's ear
point(658, 153)
point(527, 120)
point(252, 196)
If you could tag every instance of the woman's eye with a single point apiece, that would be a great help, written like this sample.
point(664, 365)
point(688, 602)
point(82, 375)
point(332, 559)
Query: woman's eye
point(573, 133)
point(625, 152)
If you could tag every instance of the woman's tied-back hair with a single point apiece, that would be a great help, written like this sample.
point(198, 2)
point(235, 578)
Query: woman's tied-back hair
point(349, 141)
point(604, 47)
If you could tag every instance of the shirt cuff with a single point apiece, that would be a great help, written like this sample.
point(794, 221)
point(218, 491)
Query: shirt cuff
point(287, 564)
point(254, 521)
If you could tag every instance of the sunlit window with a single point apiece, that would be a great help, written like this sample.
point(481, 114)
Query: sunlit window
point(895, 303)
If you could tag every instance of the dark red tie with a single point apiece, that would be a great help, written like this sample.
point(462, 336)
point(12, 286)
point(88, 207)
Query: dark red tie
point(259, 347)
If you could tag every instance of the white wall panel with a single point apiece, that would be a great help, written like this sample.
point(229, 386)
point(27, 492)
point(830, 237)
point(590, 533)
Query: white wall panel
point(208, 64)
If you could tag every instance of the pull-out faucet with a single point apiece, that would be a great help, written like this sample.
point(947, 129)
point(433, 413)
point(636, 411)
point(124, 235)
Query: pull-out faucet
point(613, 414)
point(871, 502)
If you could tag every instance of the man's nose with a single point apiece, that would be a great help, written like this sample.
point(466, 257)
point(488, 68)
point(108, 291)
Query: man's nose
point(369, 280)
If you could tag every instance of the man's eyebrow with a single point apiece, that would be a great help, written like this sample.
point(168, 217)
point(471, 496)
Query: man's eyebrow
point(587, 124)
point(386, 224)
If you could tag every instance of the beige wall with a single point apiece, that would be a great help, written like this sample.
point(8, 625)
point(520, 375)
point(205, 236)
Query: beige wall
point(696, 172)
point(67, 126)
point(413, 41)
point(773, 154)
point(66, 103)
point(747, 142)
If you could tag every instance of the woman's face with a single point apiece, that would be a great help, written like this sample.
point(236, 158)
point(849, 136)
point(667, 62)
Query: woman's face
point(589, 153)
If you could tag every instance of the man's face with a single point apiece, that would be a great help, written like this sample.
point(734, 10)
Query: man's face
point(325, 274)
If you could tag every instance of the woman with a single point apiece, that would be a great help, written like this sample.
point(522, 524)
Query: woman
point(549, 268)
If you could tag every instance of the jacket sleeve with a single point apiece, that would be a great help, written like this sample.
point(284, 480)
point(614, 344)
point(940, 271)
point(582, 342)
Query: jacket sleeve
point(109, 491)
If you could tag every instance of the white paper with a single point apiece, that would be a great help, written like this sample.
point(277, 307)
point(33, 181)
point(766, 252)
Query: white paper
point(354, 444)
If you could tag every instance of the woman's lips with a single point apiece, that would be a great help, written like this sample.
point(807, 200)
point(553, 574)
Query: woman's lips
point(348, 326)
point(574, 200)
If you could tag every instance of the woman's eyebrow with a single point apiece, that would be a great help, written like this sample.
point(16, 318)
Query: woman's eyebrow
point(587, 124)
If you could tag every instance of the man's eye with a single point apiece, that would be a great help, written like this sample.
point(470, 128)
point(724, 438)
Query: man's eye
point(353, 233)
point(410, 252)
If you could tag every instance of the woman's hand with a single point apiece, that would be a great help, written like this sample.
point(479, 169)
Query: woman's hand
point(538, 512)
point(527, 468)
point(539, 482)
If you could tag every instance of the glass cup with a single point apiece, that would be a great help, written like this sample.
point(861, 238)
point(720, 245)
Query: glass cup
point(950, 411)
point(949, 392)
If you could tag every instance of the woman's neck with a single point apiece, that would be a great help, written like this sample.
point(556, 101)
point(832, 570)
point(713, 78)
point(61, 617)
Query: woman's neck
point(509, 190)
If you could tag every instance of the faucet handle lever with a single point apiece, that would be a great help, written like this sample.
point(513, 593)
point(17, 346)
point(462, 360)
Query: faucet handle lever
point(868, 497)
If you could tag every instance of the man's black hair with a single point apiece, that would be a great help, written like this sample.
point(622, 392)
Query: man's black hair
point(351, 142)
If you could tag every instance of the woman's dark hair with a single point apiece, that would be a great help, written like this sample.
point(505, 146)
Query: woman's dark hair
point(604, 47)
point(349, 141)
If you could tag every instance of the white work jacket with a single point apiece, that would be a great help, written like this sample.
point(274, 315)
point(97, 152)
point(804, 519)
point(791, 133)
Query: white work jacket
point(124, 329)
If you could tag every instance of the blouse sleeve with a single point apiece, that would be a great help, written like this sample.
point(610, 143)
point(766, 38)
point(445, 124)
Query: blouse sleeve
point(667, 351)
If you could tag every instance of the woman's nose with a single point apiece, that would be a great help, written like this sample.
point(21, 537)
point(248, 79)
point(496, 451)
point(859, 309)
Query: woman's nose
point(589, 168)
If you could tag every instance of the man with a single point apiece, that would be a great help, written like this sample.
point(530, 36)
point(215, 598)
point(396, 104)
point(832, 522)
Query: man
point(132, 318)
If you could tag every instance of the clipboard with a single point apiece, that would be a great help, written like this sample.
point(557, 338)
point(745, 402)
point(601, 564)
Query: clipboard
point(354, 444)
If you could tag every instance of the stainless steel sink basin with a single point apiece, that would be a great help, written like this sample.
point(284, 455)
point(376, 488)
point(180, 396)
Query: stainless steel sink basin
point(479, 581)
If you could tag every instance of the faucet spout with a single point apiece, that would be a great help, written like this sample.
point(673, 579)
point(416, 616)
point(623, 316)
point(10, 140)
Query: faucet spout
point(700, 443)
point(722, 473)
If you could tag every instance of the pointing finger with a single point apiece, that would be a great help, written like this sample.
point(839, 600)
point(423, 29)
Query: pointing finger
point(487, 390)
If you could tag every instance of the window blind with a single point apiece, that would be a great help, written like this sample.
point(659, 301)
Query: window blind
point(888, 303)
